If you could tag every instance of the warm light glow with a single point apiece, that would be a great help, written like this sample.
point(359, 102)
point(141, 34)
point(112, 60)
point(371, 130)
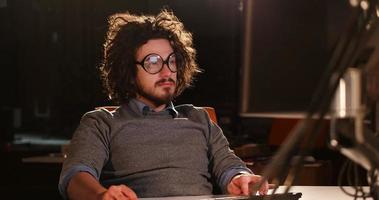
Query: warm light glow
point(354, 3)
point(334, 143)
point(342, 99)
point(364, 5)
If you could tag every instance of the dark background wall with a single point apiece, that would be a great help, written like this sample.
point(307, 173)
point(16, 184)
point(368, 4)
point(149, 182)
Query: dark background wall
point(50, 51)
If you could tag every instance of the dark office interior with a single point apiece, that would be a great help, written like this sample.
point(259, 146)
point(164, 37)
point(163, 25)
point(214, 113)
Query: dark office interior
point(51, 50)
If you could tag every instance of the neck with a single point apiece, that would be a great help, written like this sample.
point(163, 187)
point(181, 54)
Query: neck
point(154, 106)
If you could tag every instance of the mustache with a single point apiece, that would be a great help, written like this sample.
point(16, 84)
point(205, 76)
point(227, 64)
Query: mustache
point(163, 80)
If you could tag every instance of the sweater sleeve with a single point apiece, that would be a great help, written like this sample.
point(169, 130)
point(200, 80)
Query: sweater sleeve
point(88, 149)
point(224, 164)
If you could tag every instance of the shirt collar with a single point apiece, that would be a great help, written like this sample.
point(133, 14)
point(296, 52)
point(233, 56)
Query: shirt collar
point(144, 109)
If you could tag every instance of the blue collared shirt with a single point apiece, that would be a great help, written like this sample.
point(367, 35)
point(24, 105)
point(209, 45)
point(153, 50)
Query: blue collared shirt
point(144, 109)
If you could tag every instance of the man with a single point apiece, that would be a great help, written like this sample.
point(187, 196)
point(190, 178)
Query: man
point(147, 147)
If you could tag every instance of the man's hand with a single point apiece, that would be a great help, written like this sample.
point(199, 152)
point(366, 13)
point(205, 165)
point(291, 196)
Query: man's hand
point(242, 184)
point(118, 192)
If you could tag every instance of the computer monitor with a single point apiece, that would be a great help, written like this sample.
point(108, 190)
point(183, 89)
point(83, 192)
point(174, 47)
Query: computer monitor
point(286, 47)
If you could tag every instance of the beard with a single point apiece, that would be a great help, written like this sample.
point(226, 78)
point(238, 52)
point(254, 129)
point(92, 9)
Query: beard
point(157, 100)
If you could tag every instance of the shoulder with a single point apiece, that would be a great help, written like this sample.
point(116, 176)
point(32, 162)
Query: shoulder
point(189, 108)
point(101, 114)
point(193, 113)
point(98, 122)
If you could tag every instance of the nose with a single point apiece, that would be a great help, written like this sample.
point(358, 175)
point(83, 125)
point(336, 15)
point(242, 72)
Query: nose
point(165, 72)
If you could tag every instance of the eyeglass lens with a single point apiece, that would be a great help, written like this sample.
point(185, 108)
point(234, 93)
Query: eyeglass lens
point(153, 63)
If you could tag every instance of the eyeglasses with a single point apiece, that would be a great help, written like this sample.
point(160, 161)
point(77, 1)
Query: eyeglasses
point(153, 63)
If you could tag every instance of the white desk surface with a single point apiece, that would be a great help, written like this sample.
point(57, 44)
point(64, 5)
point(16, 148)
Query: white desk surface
point(308, 193)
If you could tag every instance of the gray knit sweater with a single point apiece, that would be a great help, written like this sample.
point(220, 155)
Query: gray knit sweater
point(178, 151)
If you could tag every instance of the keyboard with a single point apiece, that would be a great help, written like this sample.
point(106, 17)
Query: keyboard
point(279, 196)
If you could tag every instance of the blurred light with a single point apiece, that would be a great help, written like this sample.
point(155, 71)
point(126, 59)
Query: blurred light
point(334, 143)
point(354, 3)
point(342, 98)
point(368, 26)
point(3, 3)
point(364, 5)
point(240, 6)
point(54, 37)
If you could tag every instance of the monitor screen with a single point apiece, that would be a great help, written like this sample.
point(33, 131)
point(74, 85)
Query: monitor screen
point(285, 51)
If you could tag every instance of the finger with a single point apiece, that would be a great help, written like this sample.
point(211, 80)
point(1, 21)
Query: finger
point(254, 184)
point(233, 188)
point(128, 192)
point(121, 196)
point(108, 196)
point(112, 192)
point(119, 192)
point(264, 188)
point(260, 182)
point(244, 184)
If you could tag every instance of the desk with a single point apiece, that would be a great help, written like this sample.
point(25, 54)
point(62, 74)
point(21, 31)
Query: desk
point(55, 158)
point(309, 193)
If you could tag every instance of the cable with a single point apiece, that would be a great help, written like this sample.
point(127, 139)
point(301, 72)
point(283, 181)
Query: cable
point(350, 168)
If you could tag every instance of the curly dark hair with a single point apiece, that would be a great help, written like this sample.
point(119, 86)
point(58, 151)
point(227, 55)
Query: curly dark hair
point(128, 32)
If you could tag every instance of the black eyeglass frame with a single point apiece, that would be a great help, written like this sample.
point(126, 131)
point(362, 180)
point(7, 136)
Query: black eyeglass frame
point(163, 62)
